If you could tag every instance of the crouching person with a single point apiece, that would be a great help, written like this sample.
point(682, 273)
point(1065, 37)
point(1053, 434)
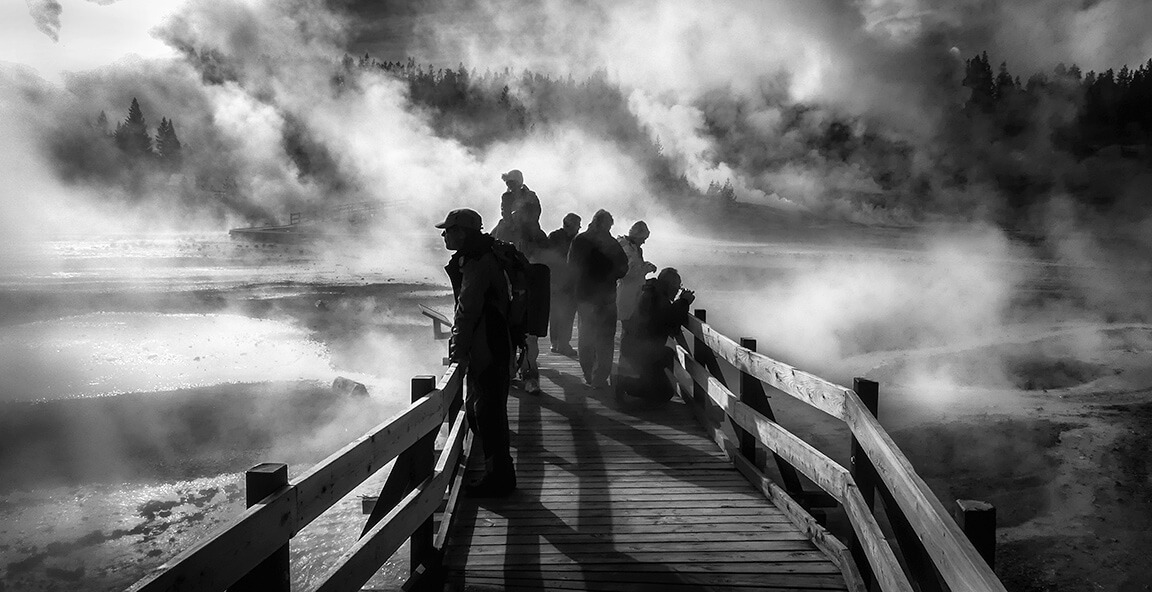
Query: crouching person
point(644, 353)
point(480, 338)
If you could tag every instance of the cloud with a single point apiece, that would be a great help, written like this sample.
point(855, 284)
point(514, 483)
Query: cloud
point(46, 15)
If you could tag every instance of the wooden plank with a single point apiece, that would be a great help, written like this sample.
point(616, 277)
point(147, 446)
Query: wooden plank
point(797, 581)
point(606, 557)
point(357, 565)
point(814, 464)
point(703, 528)
point(541, 548)
point(787, 567)
point(953, 555)
point(801, 519)
point(519, 535)
point(809, 388)
point(613, 586)
point(336, 476)
point(457, 484)
point(725, 478)
point(608, 505)
point(582, 520)
point(883, 562)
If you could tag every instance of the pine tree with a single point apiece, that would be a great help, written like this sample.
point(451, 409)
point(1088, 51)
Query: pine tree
point(727, 192)
point(132, 133)
point(102, 123)
point(167, 144)
point(978, 78)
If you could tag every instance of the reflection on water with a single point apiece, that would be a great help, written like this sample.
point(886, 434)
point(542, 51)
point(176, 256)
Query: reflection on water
point(103, 354)
point(140, 376)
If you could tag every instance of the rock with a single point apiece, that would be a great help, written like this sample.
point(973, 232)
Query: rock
point(347, 386)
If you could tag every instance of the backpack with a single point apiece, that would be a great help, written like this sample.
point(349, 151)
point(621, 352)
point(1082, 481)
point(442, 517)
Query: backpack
point(528, 299)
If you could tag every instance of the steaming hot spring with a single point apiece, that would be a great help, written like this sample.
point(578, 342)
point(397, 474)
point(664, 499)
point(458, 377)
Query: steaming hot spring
point(139, 378)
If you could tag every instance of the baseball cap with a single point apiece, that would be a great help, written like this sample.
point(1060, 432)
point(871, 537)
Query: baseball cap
point(463, 217)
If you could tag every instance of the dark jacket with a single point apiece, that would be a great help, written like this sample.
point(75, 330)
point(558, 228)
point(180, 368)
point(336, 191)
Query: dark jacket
point(657, 318)
point(514, 201)
point(646, 333)
point(556, 258)
point(596, 261)
point(480, 325)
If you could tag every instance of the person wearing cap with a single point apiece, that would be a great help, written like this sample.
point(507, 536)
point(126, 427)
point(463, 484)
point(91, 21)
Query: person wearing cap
point(597, 261)
point(480, 339)
point(563, 310)
point(628, 288)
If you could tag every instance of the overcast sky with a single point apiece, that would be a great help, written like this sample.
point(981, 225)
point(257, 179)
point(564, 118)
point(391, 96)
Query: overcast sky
point(89, 34)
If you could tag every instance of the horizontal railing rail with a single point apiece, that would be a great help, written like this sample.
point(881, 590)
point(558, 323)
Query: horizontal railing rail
point(954, 560)
point(236, 549)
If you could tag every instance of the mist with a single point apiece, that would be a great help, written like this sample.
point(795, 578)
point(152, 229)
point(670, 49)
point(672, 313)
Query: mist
point(876, 224)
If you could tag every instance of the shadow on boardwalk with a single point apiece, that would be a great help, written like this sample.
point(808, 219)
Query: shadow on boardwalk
point(624, 496)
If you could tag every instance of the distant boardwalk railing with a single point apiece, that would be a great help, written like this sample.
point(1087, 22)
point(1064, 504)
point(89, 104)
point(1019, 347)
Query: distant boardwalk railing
point(937, 553)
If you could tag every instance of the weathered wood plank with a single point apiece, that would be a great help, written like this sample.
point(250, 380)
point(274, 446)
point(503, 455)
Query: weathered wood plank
point(801, 519)
point(788, 567)
point(814, 464)
point(357, 565)
point(702, 556)
point(703, 528)
point(536, 585)
point(516, 536)
point(334, 477)
point(801, 581)
point(956, 559)
point(575, 510)
point(809, 388)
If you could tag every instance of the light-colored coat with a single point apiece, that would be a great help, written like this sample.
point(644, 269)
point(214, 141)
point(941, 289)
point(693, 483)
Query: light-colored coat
point(628, 288)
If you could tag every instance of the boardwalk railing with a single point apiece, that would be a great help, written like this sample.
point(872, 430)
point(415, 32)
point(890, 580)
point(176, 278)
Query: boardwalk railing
point(250, 552)
point(932, 550)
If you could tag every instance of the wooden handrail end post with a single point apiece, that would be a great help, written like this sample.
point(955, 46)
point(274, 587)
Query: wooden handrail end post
point(274, 573)
point(978, 521)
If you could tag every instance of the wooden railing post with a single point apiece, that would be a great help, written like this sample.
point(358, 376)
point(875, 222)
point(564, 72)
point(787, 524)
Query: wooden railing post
point(752, 394)
point(421, 467)
point(863, 473)
point(700, 353)
point(978, 521)
point(274, 573)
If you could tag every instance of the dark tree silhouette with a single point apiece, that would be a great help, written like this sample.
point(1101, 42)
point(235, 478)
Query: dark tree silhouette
point(132, 133)
point(978, 79)
point(167, 144)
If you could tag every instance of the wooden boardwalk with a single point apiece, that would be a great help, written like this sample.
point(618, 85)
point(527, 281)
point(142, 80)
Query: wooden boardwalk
point(624, 496)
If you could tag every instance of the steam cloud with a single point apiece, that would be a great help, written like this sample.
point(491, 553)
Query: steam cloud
point(46, 15)
point(738, 90)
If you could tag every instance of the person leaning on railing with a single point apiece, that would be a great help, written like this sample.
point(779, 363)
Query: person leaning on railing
point(480, 339)
point(644, 354)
